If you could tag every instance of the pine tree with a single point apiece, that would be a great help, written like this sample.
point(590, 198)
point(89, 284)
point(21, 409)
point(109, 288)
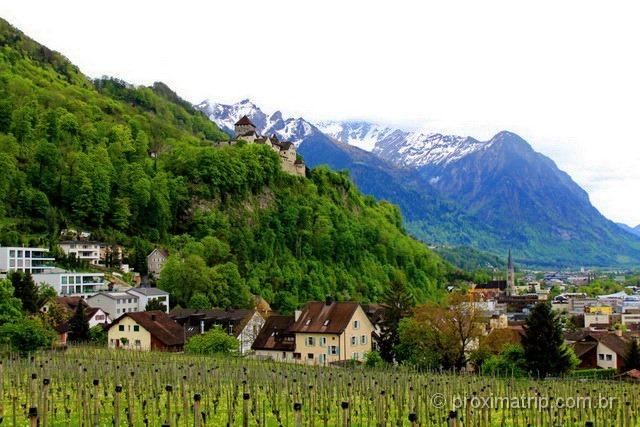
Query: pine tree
point(397, 302)
point(79, 325)
point(632, 358)
point(544, 348)
point(26, 290)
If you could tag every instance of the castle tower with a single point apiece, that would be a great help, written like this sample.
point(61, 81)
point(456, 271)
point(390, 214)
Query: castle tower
point(511, 277)
point(244, 126)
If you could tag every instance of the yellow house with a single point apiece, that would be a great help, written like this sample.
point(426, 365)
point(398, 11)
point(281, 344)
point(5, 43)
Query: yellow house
point(146, 330)
point(329, 332)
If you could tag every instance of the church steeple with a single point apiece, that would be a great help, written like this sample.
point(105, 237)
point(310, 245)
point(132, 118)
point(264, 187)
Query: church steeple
point(511, 277)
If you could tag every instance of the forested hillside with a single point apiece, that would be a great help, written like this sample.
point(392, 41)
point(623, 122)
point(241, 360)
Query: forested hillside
point(136, 166)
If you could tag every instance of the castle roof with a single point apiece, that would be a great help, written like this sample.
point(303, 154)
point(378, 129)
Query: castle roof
point(244, 120)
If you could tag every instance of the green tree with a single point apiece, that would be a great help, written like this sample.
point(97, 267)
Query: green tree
point(10, 306)
point(511, 362)
point(97, 335)
point(632, 358)
point(544, 348)
point(199, 301)
point(214, 341)
point(26, 335)
point(397, 302)
point(25, 290)
point(79, 325)
point(155, 304)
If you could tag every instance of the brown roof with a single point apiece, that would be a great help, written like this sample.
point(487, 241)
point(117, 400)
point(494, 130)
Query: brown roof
point(274, 335)
point(583, 347)
point(244, 120)
point(237, 318)
point(70, 303)
point(159, 324)
point(322, 318)
point(493, 284)
point(617, 344)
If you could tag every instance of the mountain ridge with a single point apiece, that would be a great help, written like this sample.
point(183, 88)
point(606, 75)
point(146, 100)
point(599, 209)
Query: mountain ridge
point(448, 188)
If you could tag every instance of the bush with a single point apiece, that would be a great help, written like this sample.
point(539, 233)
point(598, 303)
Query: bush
point(97, 335)
point(215, 341)
point(373, 360)
point(26, 335)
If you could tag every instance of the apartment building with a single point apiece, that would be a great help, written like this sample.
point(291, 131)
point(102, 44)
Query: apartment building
point(69, 283)
point(29, 260)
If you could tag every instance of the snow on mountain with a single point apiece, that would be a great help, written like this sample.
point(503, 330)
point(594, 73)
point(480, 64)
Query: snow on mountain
point(294, 130)
point(404, 148)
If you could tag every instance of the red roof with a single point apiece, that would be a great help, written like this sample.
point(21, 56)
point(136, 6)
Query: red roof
point(274, 335)
point(158, 324)
point(322, 318)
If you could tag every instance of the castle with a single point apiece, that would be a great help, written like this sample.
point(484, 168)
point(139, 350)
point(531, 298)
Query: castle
point(245, 130)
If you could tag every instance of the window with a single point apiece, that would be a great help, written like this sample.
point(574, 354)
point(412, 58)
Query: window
point(363, 339)
point(354, 341)
point(323, 341)
point(601, 356)
point(356, 324)
point(311, 341)
point(136, 328)
point(334, 350)
point(64, 280)
point(297, 356)
point(355, 356)
point(284, 354)
point(12, 253)
point(322, 358)
point(138, 343)
point(609, 357)
point(121, 328)
point(99, 317)
point(309, 355)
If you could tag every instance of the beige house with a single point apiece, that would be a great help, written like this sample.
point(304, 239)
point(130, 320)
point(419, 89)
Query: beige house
point(156, 260)
point(148, 330)
point(329, 332)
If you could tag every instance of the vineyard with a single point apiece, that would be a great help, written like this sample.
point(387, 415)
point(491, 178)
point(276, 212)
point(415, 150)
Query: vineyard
point(89, 387)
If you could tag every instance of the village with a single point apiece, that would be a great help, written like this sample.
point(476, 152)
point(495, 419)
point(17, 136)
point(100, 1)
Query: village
point(140, 316)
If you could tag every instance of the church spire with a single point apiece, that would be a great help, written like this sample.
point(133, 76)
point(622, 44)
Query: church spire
point(511, 277)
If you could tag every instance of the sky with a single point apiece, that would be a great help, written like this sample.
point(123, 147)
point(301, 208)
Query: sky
point(564, 75)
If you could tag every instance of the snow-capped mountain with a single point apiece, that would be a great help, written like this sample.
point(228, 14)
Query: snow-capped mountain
point(492, 195)
point(401, 147)
point(294, 130)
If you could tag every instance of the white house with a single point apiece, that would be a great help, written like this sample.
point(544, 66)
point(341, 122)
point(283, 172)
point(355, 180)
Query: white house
point(30, 260)
point(114, 303)
point(146, 294)
point(69, 283)
point(85, 251)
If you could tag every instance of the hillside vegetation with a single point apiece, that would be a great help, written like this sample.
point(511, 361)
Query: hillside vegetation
point(76, 153)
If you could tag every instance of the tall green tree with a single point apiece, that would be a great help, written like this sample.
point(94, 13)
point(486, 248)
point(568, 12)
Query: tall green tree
point(544, 348)
point(26, 290)
point(79, 325)
point(397, 304)
point(10, 306)
point(632, 358)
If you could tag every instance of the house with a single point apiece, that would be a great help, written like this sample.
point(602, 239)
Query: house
point(115, 303)
point(146, 294)
point(95, 315)
point(147, 330)
point(243, 324)
point(29, 260)
point(604, 349)
point(274, 341)
point(491, 289)
point(81, 250)
point(330, 332)
point(156, 260)
point(71, 283)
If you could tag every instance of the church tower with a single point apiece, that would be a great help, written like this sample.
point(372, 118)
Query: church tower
point(511, 277)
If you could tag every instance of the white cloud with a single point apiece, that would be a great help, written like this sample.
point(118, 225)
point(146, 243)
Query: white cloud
point(562, 74)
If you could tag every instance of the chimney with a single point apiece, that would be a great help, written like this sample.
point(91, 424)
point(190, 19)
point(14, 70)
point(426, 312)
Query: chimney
point(328, 300)
point(153, 317)
point(296, 315)
point(202, 327)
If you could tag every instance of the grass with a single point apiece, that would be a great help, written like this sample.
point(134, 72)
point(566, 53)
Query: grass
point(97, 387)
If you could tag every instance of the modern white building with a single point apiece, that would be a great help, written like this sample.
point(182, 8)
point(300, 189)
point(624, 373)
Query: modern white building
point(114, 303)
point(146, 294)
point(69, 283)
point(29, 260)
point(130, 301)
point(85, 251)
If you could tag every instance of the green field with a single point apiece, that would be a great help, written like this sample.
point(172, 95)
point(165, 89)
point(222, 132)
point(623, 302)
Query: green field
point(83, 383)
